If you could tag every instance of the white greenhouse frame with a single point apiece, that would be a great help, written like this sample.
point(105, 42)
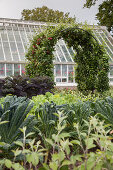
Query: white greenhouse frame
point(14, 38)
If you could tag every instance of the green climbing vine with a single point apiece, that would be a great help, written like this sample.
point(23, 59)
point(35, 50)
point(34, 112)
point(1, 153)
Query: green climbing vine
point(91, 60)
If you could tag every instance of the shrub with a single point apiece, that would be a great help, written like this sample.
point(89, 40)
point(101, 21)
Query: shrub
point(39, 85)
point(1, 84)
point(25, 86)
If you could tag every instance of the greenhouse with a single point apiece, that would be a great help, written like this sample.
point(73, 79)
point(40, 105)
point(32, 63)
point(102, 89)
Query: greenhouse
point(14, 40)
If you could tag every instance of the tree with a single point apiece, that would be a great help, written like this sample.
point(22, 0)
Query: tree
point(105, 14)
point(45, 14)
point(89, 3)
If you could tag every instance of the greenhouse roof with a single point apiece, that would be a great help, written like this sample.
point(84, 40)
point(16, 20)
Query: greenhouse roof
point(15, 35)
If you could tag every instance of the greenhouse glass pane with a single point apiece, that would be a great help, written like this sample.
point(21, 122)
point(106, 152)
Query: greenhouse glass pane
point(58, 70)
point(108, 36)
point(109, 52)
point(17, 36)
point(1, 52)
point(20, 28)
point(60, 53)
point(16, 69)
point(64, 79)
point(15, 28)
point(7, 51)
point(70, 74)
point(71, 52)
point(103, 42)
point(14, 51)
point(9, 70)
point(23, 36)
point(21, 50)
point(4, 36)
point(66, 53)
point(64, 70)
point(2, 70)
point(27, 29)
point(28, 33)
point(22, 69)
point(58, 79)
point(107, 41)
point(10, 35)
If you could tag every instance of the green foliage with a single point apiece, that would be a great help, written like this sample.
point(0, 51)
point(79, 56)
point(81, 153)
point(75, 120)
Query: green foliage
point(14, 112)
point(89, 3)
point(75, 106)
point(91, 59)
point(104, 109)
point(105, 12)
point(96, 138)
point(45, 14)
point(46, 120)
point(62, 98)
point(77, 113)
point(30, 156)
point(95, 143)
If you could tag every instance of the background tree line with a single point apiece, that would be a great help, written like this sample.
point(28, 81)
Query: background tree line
point(44, 14)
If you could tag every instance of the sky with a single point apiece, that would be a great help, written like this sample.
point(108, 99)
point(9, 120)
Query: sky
point(13, 8)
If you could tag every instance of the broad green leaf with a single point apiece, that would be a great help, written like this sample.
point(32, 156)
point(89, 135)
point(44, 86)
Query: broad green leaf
point(53, 166)
point(50, 141)
point(55, 157)
point(56, 138)
point(89, 143)
point(33, 158)
point(77, 142)
point(26, 151)
point(84, 134)
point(19, 143)
point(64, 135)
point(17, 166)
point(8, 163)
point(17, 152)
point(66, 162)
point(31, 143)
point(29, 134)
point(23, 129)
point(58, 156)
point(61, 156)
point(75, 158)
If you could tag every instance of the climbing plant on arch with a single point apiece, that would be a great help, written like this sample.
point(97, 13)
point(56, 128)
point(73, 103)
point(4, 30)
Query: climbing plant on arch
point(91, 60)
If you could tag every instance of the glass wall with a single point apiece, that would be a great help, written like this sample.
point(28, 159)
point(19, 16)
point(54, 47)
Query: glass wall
point(2, 70)
point(11, 69)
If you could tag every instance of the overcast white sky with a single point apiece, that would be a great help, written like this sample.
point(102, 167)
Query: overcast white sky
point(13, 8)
